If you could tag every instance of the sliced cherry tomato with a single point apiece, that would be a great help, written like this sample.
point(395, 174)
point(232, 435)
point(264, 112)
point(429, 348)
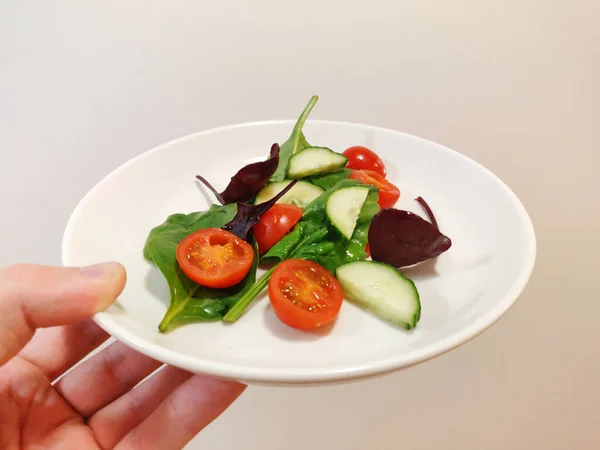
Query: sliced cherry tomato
point(304, 295)
point(275, 224)
point(215, 258)
point(361, 158)
point(368, 250)
point(388, 193)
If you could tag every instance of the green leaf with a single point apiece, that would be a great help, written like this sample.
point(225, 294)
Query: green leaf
point(189, 301)
point(306, 241)
point(295, 143)
point(236, 310)
point(211, 304)
point(177, 226)
point(314, 238)
point(328, 180)
point(282, 249)
point(356, 248)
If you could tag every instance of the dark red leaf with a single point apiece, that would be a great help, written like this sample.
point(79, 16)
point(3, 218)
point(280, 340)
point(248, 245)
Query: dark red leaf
point(401, 238)
point(250, 179)
point(249, 215)
point(428, 210)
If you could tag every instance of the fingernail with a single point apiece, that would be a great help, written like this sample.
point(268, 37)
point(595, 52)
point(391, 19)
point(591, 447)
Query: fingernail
point(103, 270)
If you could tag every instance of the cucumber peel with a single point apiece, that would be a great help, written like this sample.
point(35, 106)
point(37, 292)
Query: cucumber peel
point(383, 290)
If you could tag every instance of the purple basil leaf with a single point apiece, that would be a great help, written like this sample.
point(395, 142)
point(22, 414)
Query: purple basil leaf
point(248, 181)
point(401, 238)
point(211, 188)
point(249, 215)
point(428, 210)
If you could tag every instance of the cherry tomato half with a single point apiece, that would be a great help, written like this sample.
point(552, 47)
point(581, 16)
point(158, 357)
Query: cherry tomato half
point(361, 158)
point(304, 295)
point(215, 258)
point(388, 193)
point(275, 224)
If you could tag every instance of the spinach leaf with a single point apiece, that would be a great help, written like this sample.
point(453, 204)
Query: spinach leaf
point(178, 226)
point(314, 238)
point(328, 180)
point(189, 301)
point(295, 143)
point(207, 304)
point(356, 248)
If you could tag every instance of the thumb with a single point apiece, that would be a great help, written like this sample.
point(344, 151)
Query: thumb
point(34, 296)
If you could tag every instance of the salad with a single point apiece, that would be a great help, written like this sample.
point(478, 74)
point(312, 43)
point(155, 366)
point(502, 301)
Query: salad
point(322, 224)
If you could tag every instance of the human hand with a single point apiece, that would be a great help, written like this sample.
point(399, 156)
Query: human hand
point(45, 329)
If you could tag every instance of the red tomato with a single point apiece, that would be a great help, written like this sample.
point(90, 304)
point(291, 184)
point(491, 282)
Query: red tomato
point(275, 224)
point(304, 295)
point(215, 258)
point(368, 250)
point(361, 158)
point(388, 193)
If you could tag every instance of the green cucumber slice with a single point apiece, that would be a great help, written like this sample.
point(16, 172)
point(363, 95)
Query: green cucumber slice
point(300, 195)
point(343, 208)
point(382, 289)
point(314, 161)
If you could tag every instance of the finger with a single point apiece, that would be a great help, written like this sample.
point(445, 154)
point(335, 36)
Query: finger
point(113, 422)
point(54, 350)
point(183, 414)
point(33, 296)
point(104, 377)
point(38, 409)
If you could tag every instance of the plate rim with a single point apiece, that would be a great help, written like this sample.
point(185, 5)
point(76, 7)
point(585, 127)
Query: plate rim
point(307, 376)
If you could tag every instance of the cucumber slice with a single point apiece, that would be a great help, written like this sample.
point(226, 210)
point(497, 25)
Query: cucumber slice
point(343, 208)
point(382, 289)
point(313, 161)
point(300, 195)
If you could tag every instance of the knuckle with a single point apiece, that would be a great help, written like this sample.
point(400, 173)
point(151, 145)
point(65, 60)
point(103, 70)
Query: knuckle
point(115, 363)
point(137, 405)
point(23, 383)
point(182, 414)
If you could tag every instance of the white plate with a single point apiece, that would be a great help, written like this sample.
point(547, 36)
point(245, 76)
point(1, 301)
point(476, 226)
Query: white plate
point(462, 293)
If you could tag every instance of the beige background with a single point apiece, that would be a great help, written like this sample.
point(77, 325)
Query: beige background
point(84, 86)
